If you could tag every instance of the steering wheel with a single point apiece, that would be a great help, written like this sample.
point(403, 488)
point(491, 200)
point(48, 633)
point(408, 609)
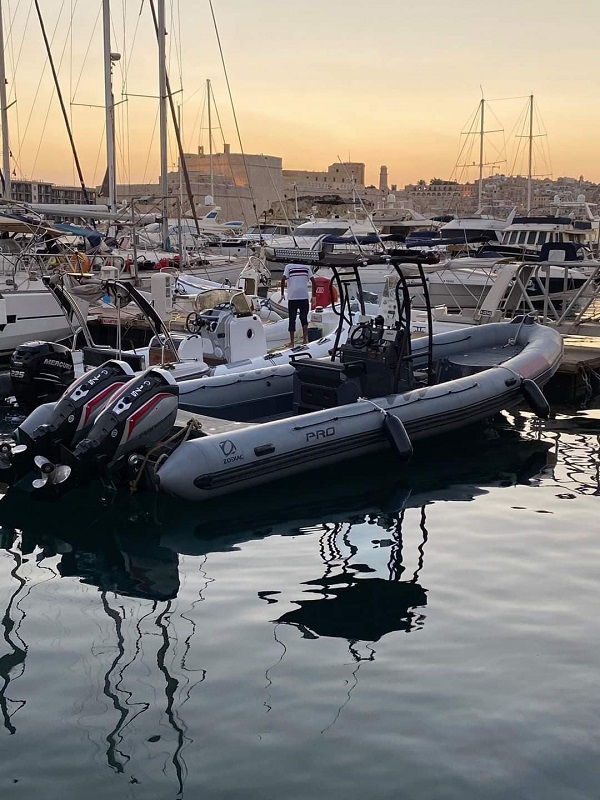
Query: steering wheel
point(362, 335)
point(193, 323)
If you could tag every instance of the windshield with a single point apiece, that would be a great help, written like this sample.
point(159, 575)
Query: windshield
point(300, 231)
point(257, 229)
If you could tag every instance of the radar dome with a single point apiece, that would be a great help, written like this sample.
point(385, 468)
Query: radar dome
point(209, 200)
point(391, 199)
point(581, 198)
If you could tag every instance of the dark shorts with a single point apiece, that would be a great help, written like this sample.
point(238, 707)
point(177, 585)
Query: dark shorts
point(296, 307)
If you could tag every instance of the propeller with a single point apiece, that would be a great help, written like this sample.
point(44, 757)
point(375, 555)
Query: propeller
point(51, 474)
point(8, 452)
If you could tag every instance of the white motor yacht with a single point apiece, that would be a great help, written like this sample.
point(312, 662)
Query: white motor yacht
point(571, 222)
point(310, 240)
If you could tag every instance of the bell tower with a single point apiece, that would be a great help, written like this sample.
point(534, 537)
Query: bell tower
point(383, 179)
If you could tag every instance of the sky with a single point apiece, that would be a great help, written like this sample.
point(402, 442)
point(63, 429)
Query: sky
point(382, 82)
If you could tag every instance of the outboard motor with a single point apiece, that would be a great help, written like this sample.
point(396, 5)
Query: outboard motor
point(76, 411)
point(136, 417)
point(40, 372)
point(65, 422)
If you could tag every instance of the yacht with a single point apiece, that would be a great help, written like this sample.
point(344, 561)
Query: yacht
point(402, 221)
point(310, 240)
point(27, 309)
point(462, 234)
point(572, 222)
point(469, 229)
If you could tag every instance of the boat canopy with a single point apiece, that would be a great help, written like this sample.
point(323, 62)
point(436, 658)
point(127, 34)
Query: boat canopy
point(93, 236)
point(10, 224)
point(548, 220)
point(370, 238)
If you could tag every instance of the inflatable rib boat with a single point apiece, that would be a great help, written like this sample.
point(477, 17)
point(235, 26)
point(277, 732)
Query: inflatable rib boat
point(379, 390)
point(480, 372)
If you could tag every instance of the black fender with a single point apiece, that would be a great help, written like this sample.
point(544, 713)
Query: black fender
point(535, 398)
point(397, 436)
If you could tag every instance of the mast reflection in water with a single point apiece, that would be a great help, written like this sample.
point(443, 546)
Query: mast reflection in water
point(354, 604)
point(345, 570)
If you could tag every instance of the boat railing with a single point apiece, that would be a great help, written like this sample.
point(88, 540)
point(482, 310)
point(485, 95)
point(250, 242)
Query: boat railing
point(566, 307)
point(31, 265)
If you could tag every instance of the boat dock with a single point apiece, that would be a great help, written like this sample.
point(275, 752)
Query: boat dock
point(578, 377)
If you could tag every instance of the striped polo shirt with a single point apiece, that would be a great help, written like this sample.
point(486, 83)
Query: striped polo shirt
point(297, 276)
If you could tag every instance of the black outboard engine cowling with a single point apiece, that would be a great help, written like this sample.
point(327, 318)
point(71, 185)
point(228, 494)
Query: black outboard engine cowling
point(136, 418)
point(76, 411)
point(62, 424)
point(40, 372)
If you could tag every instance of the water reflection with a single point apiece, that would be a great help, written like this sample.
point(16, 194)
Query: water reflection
point(349, 602)
point(13, 663)
point(127, 555)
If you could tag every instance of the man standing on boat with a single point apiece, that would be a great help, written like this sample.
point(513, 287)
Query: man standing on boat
point(297, 276)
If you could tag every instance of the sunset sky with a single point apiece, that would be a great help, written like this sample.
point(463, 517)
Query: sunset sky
point(383, 82)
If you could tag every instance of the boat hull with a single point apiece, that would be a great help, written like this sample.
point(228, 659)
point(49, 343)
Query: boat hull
point(30, 315)
point(235, 459)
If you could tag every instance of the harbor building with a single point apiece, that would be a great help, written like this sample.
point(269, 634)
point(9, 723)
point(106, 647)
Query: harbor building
point(25, 191)
point(340, 178)
point(245, 186)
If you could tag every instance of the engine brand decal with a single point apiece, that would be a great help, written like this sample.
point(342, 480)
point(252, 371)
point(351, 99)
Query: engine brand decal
point(320, 433)
point(95, 378)
point(230, 452)
point(139, 389)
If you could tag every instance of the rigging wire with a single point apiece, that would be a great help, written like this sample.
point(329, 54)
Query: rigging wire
point(51, 96)
point(39, 85)
point(229, 164)
point(100, 148)
point(120, 119)
point(91, 39)
point(150, 147)
point(199, 116)
point(183, 164)
point(124, 109)
point(14, 87)
point(237, 127)
point(61, 101)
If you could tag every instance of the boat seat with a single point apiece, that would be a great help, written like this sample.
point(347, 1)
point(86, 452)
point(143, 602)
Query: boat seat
point(319, 384)
point(96, 356)
point(463, 364)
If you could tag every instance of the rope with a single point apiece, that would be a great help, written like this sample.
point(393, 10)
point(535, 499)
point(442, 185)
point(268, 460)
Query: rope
point(585, 371)
point(513, 340)
point(183, 433)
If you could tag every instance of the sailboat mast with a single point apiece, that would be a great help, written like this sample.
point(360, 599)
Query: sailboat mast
point(162, 91)
point(530, 166)
point(481, 133)
point(210, 152)
point(61, 102)
point(109, 104)
point(182, 161)
point(4, 117)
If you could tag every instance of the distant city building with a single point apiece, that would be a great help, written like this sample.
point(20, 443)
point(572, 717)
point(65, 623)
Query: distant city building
point(500, 194)
point(250, 186)
point(340, 178)
point(23, 191)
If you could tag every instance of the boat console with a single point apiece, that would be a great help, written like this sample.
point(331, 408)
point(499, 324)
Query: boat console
point(230, 330)
point(374, 362)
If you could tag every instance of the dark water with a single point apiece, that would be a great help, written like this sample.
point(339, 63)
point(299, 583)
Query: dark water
point(421, 632)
